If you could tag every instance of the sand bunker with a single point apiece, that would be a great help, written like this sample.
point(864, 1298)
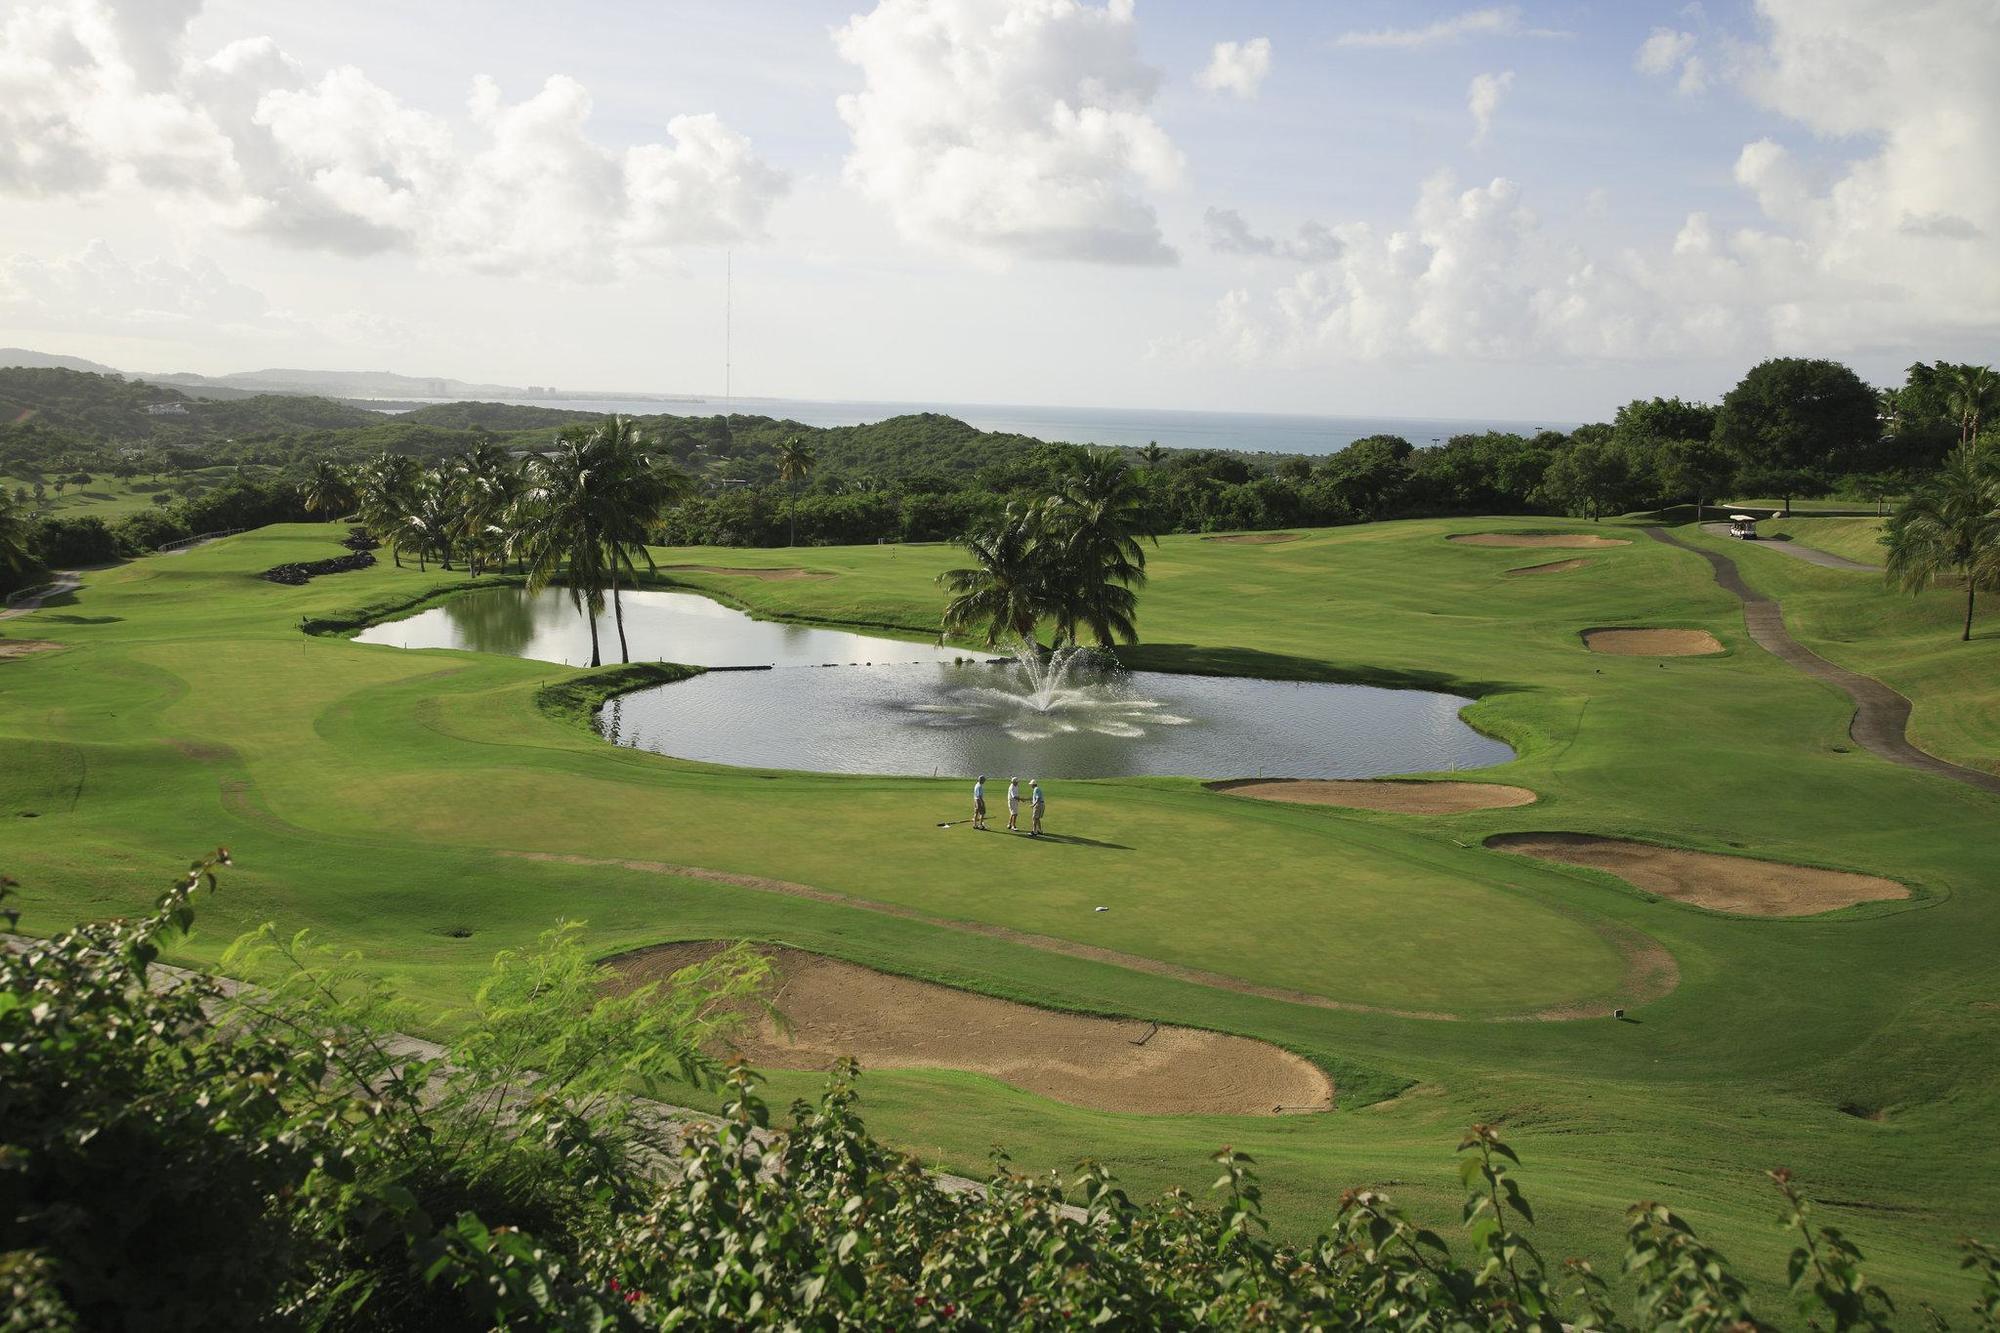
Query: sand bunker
point(1552, 567)
point(1652, 642)
point(1255, 538)
point(25, 647)
point(887, 1022)
point(1403, 798)
point(1736, 884)
point(1578, 539)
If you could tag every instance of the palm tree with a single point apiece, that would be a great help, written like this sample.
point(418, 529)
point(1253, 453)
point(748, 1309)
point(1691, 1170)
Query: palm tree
point(566, 539)
point(641, 489)
point(1152, 453)
point(385, 496)
point(795, 463)
point(432, 518)
point(1971, 391)
point(1090, 536)
point(485, 483)
point(1003, 588)
point(1889, 409)
point(329, 491)
point(1951, 526)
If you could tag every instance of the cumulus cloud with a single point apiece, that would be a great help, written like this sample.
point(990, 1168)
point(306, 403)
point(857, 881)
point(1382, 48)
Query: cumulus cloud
point(1666, 50)
point(96, 94)
point(1495, 21)
point(1013, 128)
point(1482, 99)
point(96, 291)
point(1228, 233)
point(1237, 67)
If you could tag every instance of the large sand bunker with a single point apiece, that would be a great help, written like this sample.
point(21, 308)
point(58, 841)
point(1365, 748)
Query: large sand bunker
point(1567, 539)
point(1403, 798)
point(767, 575)
point(1552, 567)
point(887, 1022)
point(1737, 884)
point(1652, 642)
point(1255, 538)
point(25, 647)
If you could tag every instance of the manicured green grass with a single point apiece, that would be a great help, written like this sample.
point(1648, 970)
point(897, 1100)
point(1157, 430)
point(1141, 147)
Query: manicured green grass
point(112, 498)
point(374, 794)
point(1858, 539)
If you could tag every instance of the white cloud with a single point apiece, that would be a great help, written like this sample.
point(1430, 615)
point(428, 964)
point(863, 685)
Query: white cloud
point(1227, 233)
point(1482, 99)
point(1666, 50)
point(97, 94)
point(1014, 128)
point(1496, 21)
point(1237, 67)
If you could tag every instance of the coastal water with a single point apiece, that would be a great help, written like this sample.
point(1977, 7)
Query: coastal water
point(1246, 432)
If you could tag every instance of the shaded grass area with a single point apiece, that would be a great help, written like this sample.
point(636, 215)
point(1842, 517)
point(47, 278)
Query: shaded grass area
point(372, 794)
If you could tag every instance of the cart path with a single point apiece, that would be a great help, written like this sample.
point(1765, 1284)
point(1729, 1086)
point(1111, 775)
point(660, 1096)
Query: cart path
point(1649, 970)
point(66, 580)
point(1881, 716)
point(1812, 555)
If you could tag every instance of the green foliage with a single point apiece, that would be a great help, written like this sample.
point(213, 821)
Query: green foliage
point(577, 697)
point(62, 542)
point(1951, 527)
point(1795, 424)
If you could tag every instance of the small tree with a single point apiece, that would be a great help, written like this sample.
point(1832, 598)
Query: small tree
point(1951, 526)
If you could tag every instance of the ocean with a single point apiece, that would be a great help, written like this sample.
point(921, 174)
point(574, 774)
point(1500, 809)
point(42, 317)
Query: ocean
point(1245, 432)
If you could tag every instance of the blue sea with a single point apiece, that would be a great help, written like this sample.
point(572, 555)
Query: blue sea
point(1245, 432)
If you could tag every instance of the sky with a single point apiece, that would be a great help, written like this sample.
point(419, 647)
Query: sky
point(1370, 207)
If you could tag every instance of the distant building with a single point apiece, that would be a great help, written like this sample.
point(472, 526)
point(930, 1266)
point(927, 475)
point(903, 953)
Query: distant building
point(166, 409)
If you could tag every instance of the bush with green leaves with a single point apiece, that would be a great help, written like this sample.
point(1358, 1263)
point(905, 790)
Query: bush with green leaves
point(178, 1152)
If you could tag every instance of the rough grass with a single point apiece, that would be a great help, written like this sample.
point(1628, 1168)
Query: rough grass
point(371, 793)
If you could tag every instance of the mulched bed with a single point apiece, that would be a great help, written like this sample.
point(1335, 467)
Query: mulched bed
point(357, 539)
point(297, 574)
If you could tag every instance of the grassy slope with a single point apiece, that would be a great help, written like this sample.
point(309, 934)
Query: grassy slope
point(1856, 538)
point(369, 793)
point(112, 498)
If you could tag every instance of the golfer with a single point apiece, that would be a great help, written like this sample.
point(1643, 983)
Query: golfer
point(1013, 805)
point(1035, 804)
point(979, 802)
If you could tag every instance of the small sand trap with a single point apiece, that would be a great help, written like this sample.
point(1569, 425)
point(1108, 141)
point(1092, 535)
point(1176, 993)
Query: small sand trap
point(1402, 798)
point(1576, 539)
point(1552, 567)
point(888, 1022)
point(1736, 884)
point(1652, 642)
point(10, 648)
point(767, 575)
point(1255, 538)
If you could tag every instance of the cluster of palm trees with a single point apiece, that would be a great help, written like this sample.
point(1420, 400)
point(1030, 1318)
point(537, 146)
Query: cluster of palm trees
point(1071, 561)
point(579, 513)
point(1951, 526)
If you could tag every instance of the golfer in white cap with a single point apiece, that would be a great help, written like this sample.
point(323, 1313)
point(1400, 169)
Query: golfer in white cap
point(1035, 804)
point(1013, 805)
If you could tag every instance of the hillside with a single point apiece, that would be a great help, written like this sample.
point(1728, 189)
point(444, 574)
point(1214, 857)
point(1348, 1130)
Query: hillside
point(110, 408)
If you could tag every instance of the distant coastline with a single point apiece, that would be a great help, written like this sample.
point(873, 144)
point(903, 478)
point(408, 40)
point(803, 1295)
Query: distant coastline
point(1240, 432)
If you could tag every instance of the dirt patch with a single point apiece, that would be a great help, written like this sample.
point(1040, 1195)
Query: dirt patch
point(1552, 567)
point(11, 648)
point(765, 575)
point(837, 1008)
point(1402, 798)
point(202, 752)
point(1255, 538)
point(1652, 642)
point(1738, 884)
point(1531, 539)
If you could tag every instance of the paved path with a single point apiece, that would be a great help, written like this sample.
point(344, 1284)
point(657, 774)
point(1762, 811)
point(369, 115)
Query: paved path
point(67, 580)
point(1881, 716)
point(1812, 555)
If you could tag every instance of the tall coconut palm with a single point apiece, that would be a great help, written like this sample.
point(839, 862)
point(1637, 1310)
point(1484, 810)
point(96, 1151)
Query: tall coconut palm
point(386, 493)
point(1972, 392)
point(432, 520)
point(1152, 453)
point(1003, 589)
point(566, 540)
point(329, 492)
point(1951, 526)
point(485, 484)
point(796, 461)
point(640, 490)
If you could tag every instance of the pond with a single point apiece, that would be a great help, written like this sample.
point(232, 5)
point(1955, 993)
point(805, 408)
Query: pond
point(916, 711)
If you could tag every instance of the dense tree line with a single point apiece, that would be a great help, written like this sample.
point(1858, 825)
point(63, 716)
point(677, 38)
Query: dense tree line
point(174, 1157)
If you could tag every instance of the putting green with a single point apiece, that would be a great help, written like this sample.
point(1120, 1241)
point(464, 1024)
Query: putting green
point(381, 797)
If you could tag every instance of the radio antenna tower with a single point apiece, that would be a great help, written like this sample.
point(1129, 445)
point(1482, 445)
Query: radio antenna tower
point(728, 324)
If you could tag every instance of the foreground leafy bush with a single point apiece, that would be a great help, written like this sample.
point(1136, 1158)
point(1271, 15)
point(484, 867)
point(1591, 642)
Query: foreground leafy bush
point(175, 1156)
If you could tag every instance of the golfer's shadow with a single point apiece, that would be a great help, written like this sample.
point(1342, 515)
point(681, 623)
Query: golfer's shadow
point(1077, 842)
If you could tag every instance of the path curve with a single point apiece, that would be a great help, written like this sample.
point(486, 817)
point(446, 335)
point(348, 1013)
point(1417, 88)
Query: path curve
point(66, 580)
point(1881, 716)
point(1650, 972)
point(1812, 555)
